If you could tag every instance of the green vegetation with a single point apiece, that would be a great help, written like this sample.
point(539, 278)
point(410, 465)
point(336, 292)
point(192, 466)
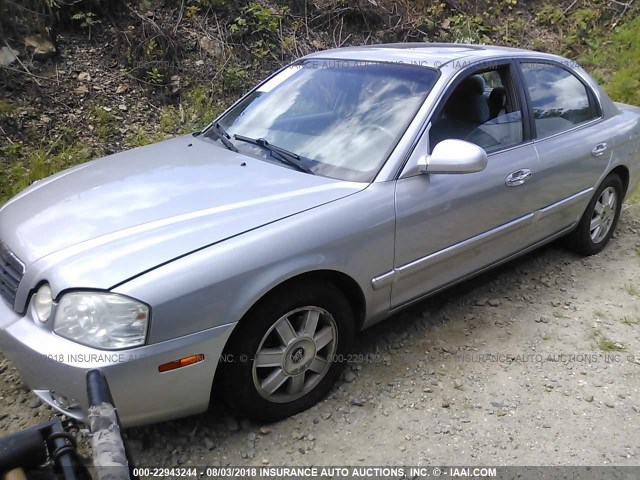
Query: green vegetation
point(632, 200)
point(6, 108)
point(550, 15)
point(629, 321)
point(606, 344)
point(616, 62)
point(599, 314)
point(196, 110)
point(632, 290)
point(257, 19)
point(252, 37)
point(259, 28)
point(234, 78)
point(196, 7)
point(583, 28)
point(86, 20)
point(104, 124)
point(22, 167)
point(37, 164)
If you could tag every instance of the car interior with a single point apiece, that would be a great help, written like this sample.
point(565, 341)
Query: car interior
point(482, 109)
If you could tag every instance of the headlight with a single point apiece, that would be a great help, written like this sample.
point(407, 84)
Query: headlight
point(43, 303)
point(101, 320)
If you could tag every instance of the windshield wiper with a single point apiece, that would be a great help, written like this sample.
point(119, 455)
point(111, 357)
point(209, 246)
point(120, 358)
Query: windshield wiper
point(285, 156)
point(221, 134)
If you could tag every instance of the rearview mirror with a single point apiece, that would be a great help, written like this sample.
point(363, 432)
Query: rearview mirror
point(454, 156)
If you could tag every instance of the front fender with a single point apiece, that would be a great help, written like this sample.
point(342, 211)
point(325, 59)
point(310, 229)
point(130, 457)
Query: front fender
point(218, 285)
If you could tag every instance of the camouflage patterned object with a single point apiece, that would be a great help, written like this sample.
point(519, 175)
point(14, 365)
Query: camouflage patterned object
point(108, 449)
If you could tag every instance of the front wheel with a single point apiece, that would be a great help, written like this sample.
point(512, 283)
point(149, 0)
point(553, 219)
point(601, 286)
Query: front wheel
point(288, 351)
point(600, 219)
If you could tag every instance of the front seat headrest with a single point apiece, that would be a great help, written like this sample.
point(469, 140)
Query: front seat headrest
point(474, 83)
point(467, 102)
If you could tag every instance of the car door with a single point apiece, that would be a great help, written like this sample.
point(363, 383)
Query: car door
point(570, 139)
point(451, 225)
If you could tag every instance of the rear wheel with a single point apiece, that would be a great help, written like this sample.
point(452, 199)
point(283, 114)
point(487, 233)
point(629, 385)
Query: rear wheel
point(600, 219)
point(288, 351)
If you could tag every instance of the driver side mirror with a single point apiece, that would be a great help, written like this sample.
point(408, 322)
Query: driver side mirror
point(454, 156)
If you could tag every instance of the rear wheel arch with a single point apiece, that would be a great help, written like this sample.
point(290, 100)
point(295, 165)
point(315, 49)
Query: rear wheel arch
point(622, 172)
point(596, 227)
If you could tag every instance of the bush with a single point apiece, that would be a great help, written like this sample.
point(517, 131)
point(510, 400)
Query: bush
point(624, 84)
point(616, 63)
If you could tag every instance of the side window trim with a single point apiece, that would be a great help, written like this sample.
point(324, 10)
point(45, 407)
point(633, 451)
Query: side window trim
point(594, 101)
point(525, 99)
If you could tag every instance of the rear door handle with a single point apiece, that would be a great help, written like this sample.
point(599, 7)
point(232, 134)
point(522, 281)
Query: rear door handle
point(518, 177)
point(599, 149)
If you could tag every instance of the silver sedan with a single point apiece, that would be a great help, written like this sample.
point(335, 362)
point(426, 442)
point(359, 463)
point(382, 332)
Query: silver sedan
point(238, 262)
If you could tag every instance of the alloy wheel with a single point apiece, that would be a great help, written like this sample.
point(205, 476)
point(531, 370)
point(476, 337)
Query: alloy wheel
point(604, 212)
point(295, 354)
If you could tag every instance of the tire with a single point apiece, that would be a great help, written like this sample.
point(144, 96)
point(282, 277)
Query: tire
point(263, 351)
point(587, 240)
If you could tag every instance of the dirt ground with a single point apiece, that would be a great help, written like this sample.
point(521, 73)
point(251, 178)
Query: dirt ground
point(534, 363)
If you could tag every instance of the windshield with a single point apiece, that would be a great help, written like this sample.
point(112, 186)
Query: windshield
point(342, 118)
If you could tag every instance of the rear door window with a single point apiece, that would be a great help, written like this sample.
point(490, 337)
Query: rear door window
point(558, 98)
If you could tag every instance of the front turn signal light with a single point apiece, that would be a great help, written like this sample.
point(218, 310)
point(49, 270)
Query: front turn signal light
point(183, 362)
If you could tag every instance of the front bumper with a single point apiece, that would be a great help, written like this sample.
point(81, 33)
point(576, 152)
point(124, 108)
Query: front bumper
point(47, 362)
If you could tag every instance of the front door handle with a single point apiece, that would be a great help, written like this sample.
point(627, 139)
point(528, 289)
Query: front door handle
point(518, 177)
point(599, 149)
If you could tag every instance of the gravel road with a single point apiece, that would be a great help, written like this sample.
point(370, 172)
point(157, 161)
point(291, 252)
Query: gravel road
point(534, 363)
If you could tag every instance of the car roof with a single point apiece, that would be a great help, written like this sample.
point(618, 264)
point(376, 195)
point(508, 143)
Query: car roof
point(426, 54)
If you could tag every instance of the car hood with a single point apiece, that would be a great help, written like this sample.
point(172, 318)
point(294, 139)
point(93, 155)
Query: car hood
point(137, 209)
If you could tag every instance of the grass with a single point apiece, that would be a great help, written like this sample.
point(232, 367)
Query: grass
point(104, 124)
point(6, 107)
point(632, 290)
point(37, 164)
point(606, 344)
point(630, 322)
point(196, 110)
point(616, 62)
point(22, 166)
point(634, 199)
point(599, 314)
